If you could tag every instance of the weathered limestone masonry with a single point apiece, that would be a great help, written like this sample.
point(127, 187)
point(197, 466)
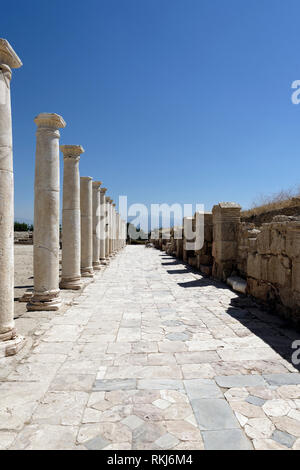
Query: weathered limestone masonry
point(263, 262)
point(226, 222)
point(204, 255)
point(10, 342)
point(188, 222)
point(23, 238)
point(86, 207)
point(96, 225)
point(102, 256)
point(71, 218)
point(46, 214)
point(179, 242)
point(269, 258)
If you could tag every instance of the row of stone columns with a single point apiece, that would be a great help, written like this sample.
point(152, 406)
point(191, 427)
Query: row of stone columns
point(88, 219)
point(92, 230)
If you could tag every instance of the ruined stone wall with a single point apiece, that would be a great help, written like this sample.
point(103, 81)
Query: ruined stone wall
point(23, 238)
point(269, 258)
point(261, 261)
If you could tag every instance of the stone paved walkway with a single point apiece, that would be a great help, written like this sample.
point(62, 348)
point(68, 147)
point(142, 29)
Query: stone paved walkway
point(153, 356)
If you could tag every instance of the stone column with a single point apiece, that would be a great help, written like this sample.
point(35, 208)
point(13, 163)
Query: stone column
point(111, 228)
point(86, 207)
point(114, 236)
point(117, 232)
point(108, 205)
point(125, 233)
point(71, 218)
point(109, 209)
point(226, 221)
point(107, 228)
point(10, 343)
point(102, 226)
point(46, 214)
point(96, 225)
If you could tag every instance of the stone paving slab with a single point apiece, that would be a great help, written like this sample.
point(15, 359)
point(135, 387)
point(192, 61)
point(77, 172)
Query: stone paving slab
point(151, 355)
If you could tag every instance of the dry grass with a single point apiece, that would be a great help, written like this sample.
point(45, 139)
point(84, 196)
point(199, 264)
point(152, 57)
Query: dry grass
point(278, 201)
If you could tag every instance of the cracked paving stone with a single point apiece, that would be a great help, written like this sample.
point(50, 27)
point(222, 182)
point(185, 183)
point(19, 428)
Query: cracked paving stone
point(228, 439)
point(284, 438)
point(114, 384)
point(132, 422)
point(202, 388)
point(178, 336)
point(282, 379)
point(167, 441)
point(214, 414)
point(98, 443)
point(255, 401)
point(239, 381)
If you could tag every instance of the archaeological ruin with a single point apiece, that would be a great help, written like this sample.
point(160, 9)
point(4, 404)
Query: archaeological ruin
point(261, 261)
point(187, 342)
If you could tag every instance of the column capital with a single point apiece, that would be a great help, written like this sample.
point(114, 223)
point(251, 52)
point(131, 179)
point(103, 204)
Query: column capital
point(71, 151)
point(114, 205)
point(86, 178)
point(8, 55)
point(103, 190)
point(51, 120)
point(96, 184)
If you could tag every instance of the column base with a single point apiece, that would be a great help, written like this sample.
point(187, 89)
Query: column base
point(71, 283)
point(49, 302)
point(12, 346)
point(87, 272)
point(103, 262)
point(96, 266)
point(26, 296)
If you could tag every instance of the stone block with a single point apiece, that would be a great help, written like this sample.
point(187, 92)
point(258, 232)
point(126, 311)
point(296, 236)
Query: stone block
point(252, 245)
point(254, 266)
point(278, 241)
point(258, 289)
point(296, 275)
point(264, 241)
point(277, 273)
point(192, 261)
point(293, 242)
point(205, 259)
point(207, 270)
point(225, 250)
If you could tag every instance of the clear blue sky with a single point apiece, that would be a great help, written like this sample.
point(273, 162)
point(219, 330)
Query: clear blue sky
point(173, 100)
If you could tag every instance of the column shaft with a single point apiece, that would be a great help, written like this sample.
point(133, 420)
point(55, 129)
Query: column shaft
point(107, 208)
point(102, 226)
point(110, 228)
point(86, 207)
point(10, 343)
point(46, 214)
point(96, 225)
point(71, 219)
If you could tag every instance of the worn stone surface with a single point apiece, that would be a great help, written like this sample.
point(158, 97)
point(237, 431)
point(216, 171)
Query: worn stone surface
point(104, 374)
